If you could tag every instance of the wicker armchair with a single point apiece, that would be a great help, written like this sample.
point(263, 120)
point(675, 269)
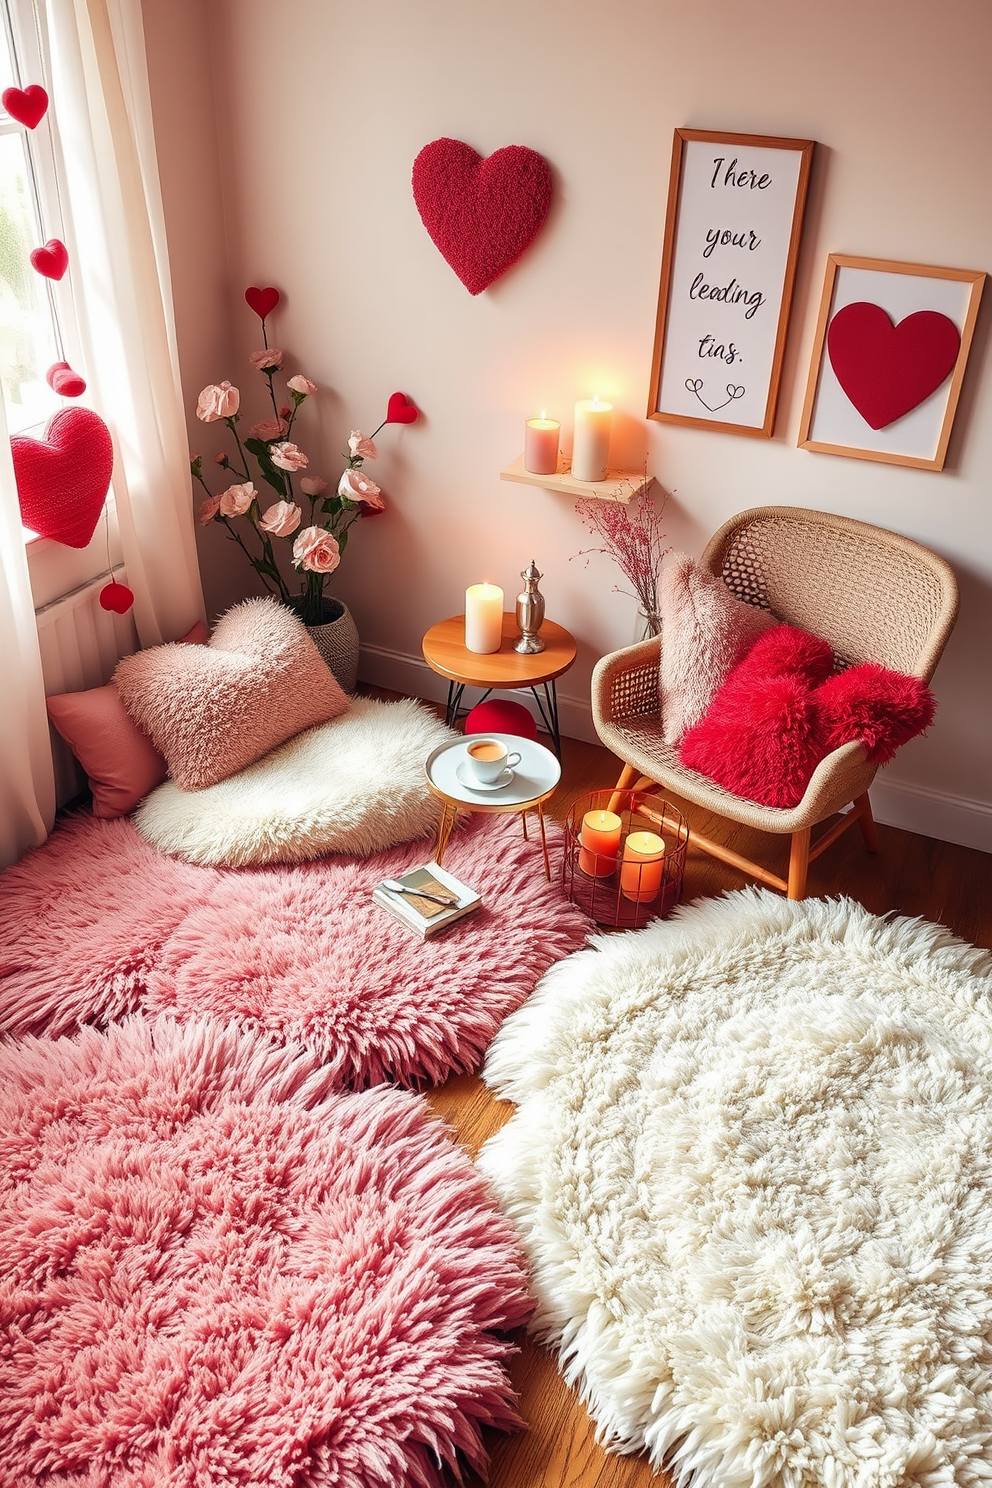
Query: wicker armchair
point(874, 595)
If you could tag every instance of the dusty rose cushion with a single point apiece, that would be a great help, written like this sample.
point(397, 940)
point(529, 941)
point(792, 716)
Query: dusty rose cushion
point(122, 764)
point(705, 632)
point(214, 710)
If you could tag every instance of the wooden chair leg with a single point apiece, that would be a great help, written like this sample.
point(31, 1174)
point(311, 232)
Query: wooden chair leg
point(798, 864)
point(867, 822)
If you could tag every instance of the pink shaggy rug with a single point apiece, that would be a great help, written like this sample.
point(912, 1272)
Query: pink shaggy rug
point(96, 924)
point(216, 1269)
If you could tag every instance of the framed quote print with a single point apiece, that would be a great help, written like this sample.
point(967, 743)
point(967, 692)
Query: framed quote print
point(735, 212)
point(891, 347)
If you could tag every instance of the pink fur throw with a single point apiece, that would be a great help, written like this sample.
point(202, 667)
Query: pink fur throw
point(705, 632)
point(212, 710)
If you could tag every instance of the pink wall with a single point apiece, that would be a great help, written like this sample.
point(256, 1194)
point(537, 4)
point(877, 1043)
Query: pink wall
point(304, 132)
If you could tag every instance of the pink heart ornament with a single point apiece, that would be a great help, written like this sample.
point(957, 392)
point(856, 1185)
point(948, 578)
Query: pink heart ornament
point(27, 105)
point(52, 260)
point(62, 380)
point(62, 480)
point(399, 410)
point(262, 301)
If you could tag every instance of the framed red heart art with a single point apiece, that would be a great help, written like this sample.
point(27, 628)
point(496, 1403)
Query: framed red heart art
point(891, 347)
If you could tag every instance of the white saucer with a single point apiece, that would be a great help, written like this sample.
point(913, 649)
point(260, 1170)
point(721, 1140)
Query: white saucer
point(471, 783)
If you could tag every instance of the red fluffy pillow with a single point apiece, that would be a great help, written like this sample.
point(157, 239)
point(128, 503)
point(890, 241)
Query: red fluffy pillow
point(780, 712)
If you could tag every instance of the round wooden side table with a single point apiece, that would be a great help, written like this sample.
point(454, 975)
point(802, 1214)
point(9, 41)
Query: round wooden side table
point(446, 653)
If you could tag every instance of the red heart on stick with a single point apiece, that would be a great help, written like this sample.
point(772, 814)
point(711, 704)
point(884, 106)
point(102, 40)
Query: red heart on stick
point(26, 105)
point(887, 370)
point(399, 410)
point(52, 260)
point(116, 597)
point(262, 301)
point(481, 213)
point(62, 380)
point(62, 480)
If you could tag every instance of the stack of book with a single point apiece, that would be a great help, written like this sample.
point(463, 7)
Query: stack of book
point(426, 900)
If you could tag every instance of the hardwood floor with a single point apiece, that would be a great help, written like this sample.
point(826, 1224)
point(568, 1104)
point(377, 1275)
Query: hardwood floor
point(910, 875)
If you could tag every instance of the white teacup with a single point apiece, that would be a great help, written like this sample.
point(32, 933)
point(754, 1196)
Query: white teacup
point(488, 758)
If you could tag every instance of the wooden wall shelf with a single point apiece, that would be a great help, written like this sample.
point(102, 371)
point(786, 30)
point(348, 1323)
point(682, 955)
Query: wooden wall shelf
point(620, 485)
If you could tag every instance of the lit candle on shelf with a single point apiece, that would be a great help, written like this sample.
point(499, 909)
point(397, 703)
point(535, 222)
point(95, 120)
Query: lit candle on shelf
point(643, 866)
point(591, 440)
point(541, 445)
point(483, 618)
point(599, 843)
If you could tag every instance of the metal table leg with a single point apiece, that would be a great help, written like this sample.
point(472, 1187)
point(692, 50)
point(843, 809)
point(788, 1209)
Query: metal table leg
point(548, 709)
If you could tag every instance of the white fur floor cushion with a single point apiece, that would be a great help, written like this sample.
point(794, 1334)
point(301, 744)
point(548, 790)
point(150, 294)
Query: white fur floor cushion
point(353, 785)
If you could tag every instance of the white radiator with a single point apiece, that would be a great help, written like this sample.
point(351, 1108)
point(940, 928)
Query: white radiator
point(81, 643)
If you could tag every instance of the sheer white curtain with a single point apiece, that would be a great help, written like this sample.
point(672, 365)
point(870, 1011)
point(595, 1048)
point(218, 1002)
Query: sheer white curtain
point(115, 230)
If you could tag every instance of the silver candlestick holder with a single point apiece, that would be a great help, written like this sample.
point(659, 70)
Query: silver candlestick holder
point(530, 612)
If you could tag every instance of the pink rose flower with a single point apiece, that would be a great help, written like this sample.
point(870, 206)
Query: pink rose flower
point(280, 519)
point(312, 485)
point(236, 500)
point(268, 429)
point(217, 402)
point(207, 510)
point(360, 447)
point(288, 456)
point(286, 410)
point(261, 360)
point(316, 550)
point(220, 458)
point(354, 486)
point(301, 384)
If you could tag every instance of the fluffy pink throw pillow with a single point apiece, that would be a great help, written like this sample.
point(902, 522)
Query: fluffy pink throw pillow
point(214, 710)
point(705, 632)
point(122, 764)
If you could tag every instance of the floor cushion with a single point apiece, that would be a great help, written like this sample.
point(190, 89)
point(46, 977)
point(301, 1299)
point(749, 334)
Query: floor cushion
point(501, 716)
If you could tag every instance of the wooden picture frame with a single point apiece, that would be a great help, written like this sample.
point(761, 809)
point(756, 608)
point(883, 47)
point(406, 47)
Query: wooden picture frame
point(735, 213)
point(885, 373)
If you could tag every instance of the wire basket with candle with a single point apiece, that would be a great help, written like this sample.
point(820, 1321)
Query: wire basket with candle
point(624, 857)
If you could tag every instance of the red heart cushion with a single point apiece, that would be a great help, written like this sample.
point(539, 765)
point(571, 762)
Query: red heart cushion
point(62, 480)
point(62, 380)
point(399, 410)
point(26, 105)
point(481, 213)
point(262, 301)
point(116, 597)
point(886, 370)
point(52, 260)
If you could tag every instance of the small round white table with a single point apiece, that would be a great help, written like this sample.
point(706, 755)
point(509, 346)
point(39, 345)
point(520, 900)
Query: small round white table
point(534, 780)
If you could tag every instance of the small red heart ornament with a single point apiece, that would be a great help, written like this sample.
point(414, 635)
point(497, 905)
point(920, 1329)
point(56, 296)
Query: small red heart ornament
point(888, 370)
point(62, 480)
point(399, 410)
point(116, 597)
point(62, 380)
point(262, 301)
point(52, 260)
point(26, 105)
point(481, 213)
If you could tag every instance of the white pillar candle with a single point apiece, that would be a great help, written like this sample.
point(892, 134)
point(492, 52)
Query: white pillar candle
point(483, 618)
point(541, 445)
point(591, 440)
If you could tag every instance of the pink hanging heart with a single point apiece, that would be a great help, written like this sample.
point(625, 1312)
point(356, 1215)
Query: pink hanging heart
point(26, 105)
point(887, 370)
point(481, 213)
point(62, 480)
point(262, 301)
point(52, 260)
point(116, 597)
point(62, 380)
point(399, 410)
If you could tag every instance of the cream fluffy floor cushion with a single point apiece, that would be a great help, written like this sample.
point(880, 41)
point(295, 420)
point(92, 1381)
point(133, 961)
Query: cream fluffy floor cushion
point(353, 785)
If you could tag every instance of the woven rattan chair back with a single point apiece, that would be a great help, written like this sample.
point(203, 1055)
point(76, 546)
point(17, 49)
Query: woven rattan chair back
point(874, 595)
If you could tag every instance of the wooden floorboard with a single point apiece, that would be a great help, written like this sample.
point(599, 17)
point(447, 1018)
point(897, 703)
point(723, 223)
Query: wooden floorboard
point(910, 875)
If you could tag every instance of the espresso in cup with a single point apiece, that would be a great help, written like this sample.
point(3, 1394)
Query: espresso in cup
point(488, 758)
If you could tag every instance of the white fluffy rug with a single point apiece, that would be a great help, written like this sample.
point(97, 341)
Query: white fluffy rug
point(751, 1166)
point(353, 785)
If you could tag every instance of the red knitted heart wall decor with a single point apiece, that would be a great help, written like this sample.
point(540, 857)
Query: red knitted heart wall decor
point(888, 370)
point(482, 213)
point(62, 480)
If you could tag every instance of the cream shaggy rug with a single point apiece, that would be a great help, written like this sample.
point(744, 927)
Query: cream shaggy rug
point(751, 1167)
point(354, 785)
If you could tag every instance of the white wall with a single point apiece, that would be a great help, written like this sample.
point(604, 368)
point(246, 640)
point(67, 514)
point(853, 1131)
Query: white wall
point(320, 114)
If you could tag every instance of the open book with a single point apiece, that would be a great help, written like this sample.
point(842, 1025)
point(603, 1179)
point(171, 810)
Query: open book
point(424, 915)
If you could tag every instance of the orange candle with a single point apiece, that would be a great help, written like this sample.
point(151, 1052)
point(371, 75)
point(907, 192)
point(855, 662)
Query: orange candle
point(599, 841)
point(643, 866)
point(541, 445)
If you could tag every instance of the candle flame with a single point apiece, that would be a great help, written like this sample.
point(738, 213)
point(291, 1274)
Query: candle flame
point(544, 413)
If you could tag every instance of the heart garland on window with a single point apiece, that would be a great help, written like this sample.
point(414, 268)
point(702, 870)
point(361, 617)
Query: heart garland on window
point(63, 479)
